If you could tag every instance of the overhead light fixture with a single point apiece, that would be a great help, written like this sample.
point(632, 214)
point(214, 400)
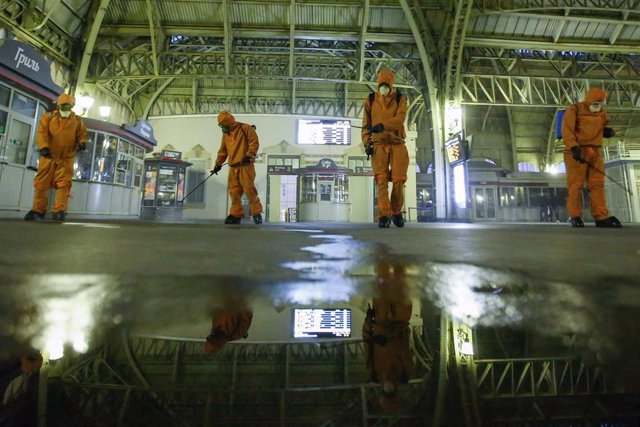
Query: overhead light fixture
point(105, 111)
point(83, 103)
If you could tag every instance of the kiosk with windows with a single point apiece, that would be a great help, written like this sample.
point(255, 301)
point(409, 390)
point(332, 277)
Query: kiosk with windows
point(164, 185)
point(324, 192)
point(107, 176)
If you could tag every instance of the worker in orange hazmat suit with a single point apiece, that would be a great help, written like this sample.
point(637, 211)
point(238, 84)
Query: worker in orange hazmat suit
point(61, 133)
point(386, 334)
point(383, 136)
point(240, 146)
point(227, 326)
point(583, 128)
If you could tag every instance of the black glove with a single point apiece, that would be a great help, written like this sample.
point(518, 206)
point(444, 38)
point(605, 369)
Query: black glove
point(371, 312)
point(368, 149)
point(81, 147)
point(575, 153)
point(45, 152)
point(377, 128)
point(608, 133)
point(246, 160)
point(216, 169)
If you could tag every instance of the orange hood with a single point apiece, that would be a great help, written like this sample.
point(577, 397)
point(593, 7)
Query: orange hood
point(66, 99)
point(386, 76)
point(226, 119)
point(595, 94)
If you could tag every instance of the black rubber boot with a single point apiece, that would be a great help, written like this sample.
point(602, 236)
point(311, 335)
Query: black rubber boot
point(257, 219)
point(33, 216)
point(232, 220)
point(59, 216)
point(611, 222)
point(577, 222)
point(398, 220)
point(384, 222)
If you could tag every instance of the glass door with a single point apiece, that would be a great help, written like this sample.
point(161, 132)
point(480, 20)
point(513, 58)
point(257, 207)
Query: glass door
point(484, 203)
point(17, 143)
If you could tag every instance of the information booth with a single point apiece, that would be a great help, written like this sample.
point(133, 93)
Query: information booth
point(164, 186)
point(324, 192)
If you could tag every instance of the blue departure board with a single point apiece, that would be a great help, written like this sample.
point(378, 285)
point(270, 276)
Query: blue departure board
point(321, 322)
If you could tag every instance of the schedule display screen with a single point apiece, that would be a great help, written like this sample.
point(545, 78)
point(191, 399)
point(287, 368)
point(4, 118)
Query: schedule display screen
point(456, 150)
point(321, 322)
point(324, 132)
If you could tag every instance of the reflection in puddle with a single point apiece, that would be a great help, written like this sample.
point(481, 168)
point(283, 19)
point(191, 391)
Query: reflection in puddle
point(239, 363)
point(326, 279)
point(54, 311)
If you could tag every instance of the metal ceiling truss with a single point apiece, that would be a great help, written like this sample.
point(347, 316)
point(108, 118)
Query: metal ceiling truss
point(455, 51)
point(253, 61)
point(516, 392)
point(176, 105)
point(244, 383)
point(139, 64)
point(553, 63)
point(53, 40)
point(545, 91)
point(581, 5)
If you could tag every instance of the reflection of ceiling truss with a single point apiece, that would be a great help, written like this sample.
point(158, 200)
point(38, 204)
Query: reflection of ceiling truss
point(146, 379)
point(554, 390)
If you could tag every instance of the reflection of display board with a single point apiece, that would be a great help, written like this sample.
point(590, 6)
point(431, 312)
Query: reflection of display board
point(324, 132)
point(456, 149)
point(321, 322)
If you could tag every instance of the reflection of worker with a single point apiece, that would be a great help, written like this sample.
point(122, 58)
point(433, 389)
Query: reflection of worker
point(240, 146)
point(386, 335)
point(383, 136)
point(20, 398)
point(227, 326)
point(583, 127)
point(60, 134)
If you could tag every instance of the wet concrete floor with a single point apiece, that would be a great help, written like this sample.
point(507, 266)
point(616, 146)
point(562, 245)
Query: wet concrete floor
point(525, 290)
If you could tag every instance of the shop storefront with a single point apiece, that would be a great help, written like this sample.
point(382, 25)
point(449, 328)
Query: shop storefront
point(107, 176)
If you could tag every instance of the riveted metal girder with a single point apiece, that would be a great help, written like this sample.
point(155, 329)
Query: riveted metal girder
point(54, 41)
point(551, 79)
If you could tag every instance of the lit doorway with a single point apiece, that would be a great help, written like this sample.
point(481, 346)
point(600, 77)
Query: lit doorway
point(282, 194)
point(484, 203)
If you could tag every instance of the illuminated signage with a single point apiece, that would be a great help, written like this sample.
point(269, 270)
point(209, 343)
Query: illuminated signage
point(173, 155)
point(456, 149)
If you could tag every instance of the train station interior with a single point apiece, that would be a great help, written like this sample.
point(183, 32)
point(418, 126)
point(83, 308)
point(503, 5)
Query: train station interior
point(140, 303)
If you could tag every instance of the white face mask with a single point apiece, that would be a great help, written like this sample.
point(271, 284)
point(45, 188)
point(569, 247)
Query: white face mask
point(65, 114)
point(594, 108)
point(384, 90)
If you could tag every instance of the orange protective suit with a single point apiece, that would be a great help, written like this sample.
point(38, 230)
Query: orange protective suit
point(227, 327)
point(241, 141)
point(390, 159)
point(581, 127)
point(61, 136)
point(386, 333)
